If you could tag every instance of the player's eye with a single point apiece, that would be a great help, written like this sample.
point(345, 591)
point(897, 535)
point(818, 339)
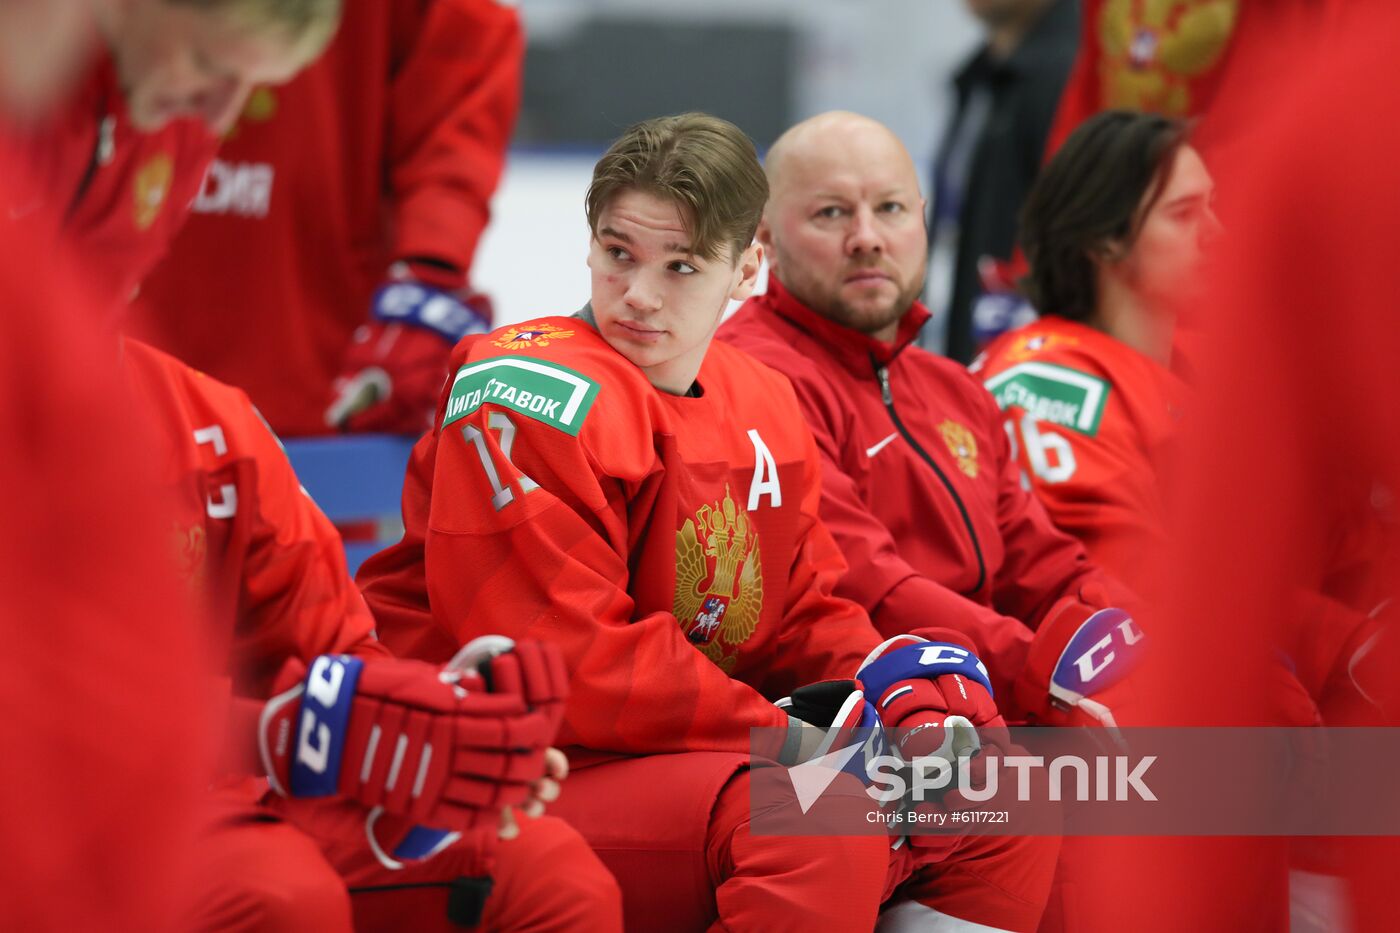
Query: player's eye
point(891, 207)
point(618, 253)
point(683, 268)
point(830, 212)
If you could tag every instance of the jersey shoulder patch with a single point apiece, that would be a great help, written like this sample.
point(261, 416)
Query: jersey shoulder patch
point(542, 389)
point(1049, 392)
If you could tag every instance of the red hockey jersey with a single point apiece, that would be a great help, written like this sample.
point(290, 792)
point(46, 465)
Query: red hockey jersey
point(1090, 421)
point(671, 545)
point(388, 147)
point(247, 537)
point(117, 194)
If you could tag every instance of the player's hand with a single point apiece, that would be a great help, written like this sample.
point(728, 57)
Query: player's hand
point(396, 363)
point(934, 695)
point(546, 790)
point(441, 749)
point(838, 714)
point(542, 792)
point(1080, 662)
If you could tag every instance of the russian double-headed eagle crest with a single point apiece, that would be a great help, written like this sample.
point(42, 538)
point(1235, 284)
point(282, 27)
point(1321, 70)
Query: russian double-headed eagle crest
point(719, 580)
point(962, 445)
point(1025, 348)
point(523, 336)
point(1153, 49)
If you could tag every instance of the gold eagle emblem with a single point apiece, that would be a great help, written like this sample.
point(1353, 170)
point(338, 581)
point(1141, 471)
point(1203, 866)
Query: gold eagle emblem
point(150, 189)
point(719, 580)
point(962, 445)
point(523, 336)
point(1152, 50)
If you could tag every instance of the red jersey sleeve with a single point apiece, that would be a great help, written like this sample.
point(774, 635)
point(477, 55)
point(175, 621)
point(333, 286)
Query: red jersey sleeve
point(452, 106)
point(296, 597)
point(529, 535)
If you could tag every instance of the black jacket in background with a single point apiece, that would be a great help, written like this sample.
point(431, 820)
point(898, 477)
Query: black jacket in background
point(1025, 91)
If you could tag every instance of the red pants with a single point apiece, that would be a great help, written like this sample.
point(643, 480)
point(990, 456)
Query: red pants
point(302, 865)
point(675, 831)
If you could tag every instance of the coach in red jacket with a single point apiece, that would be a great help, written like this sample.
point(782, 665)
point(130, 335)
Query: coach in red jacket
point(919, 485)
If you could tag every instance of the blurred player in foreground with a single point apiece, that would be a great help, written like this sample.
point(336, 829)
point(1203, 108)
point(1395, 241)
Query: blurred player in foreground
point(616, 483)
point(1292, 419)
point(105, 723)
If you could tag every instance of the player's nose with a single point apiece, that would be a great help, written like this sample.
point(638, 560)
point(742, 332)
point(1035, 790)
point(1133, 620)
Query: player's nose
point(864, 237)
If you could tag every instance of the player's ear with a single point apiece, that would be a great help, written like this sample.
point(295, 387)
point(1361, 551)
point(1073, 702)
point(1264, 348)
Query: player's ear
point(750, 261)
point(764, 233)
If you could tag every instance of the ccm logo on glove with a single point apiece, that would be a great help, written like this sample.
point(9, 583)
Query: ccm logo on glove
point(1104, 649)
point(320, 718)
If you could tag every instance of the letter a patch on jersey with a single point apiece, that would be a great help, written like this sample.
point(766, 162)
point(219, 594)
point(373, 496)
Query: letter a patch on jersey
point(549, 393)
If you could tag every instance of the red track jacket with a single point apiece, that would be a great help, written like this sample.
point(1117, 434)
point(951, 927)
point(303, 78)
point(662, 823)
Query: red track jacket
point(919, 487)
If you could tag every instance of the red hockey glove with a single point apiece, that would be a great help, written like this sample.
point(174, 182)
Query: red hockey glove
point(935, 697)
point(1078, 669)
point(937, 694)
point(396, 364)
point(443, 749)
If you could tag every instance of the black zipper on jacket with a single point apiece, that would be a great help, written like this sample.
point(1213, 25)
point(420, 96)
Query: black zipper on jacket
point(882, 373)
point(102, 151)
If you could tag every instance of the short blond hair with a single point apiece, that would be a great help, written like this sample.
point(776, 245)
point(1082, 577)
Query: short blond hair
point(308, 24)
point(703, 164)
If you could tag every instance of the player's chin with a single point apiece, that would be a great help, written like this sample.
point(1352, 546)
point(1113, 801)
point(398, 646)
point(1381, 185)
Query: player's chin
point(642, 355)
point(870, 316)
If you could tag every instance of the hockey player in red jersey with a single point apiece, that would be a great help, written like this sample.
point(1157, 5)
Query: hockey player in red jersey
point(270, 568)
point(115, 168)
point(1091, 402)
point(918, 487)
point(617, 484)
point(341, 215)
